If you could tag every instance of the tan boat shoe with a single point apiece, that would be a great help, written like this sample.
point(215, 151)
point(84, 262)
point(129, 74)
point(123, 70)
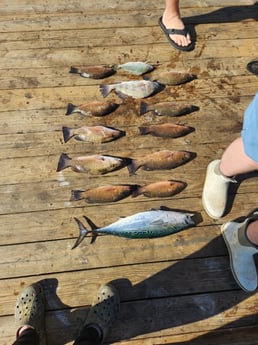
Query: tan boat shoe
point(30, 310)
point(215, 190)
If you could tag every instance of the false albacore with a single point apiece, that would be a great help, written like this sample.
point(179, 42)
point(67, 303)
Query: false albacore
point(148, 224)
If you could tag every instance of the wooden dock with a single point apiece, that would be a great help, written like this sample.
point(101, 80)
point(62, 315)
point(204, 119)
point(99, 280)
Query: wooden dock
point(176, 289)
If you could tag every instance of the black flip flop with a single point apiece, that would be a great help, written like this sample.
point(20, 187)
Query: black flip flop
point(253, 67)
point(182, 32)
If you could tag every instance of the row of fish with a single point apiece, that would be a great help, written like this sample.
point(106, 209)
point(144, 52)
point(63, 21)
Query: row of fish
point(104, 134)
point(148, 224)
point(113, 193)
point(135, 68)
point(103, 164)
point(102, 108)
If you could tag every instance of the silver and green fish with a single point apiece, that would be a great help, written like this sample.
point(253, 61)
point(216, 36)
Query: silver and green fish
point(135, 67)
point(148, 224)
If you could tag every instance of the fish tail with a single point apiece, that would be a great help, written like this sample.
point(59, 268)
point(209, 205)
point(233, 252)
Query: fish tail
point(83, 232)
point(132, 167)
point(73, 70)
point(70, 109)
point(67, 134)
point(63, 163)
point(143, 108)
point(136, 192)
point(144, 130)
point(76, 195)
point(105, 89)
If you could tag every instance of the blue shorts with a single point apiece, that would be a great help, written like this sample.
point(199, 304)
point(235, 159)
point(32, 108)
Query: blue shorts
point(250, 130)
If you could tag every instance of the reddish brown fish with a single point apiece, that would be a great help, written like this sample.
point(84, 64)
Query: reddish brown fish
point(160, 189)
point(167, 108)
point(93, 164)
point(174, 78)
point(166, 130)
point(94, 108)
point(160, 160)
point(103, 194)
point(92, 134)
point(93, 72)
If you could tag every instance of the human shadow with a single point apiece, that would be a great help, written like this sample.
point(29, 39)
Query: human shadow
point(185, 292)
point(228, 14)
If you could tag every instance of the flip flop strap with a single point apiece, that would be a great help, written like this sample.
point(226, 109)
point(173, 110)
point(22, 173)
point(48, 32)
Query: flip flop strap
point(182, 32)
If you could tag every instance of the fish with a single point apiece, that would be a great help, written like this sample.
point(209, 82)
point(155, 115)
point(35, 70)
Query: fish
point(94, 108)
point(160, 160)
point(92, 134)
point(102, 194)
point(167, 108)
point(136, 67)
point(147, 224)
point(93, 72)
point(160, 189)
point(93, 164)
point(134, 88)
point(166, 130)
point(174, 78)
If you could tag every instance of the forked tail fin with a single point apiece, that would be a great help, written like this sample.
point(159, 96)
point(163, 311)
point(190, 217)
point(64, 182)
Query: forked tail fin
point(63, 163)
point(67, 134)
point(70, 108)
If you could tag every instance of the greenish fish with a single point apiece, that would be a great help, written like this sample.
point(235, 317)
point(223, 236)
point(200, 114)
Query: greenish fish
point(135, 67)
point(148, 224)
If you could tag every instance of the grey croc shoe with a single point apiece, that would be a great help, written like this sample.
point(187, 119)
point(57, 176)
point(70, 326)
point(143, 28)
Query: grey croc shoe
point(30, 310)
point(104, 310)
point(241, 254)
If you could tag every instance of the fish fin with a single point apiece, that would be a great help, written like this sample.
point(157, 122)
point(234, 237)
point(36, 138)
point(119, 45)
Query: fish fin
point(144, 130)
point(143, 108)
point(73, 70)
point(132, 167)
point(70, 109)
point(82, 233)
point(136, 192)
point(85, 75)
point(105, 89)
point(66, 133)
point(64, 162)
point(76, 195)
point(91, 224)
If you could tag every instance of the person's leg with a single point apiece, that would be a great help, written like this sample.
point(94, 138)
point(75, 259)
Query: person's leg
point(242, 242)
point(240, 157)
point(30, 316)
point(103, 312)
point(172, 19)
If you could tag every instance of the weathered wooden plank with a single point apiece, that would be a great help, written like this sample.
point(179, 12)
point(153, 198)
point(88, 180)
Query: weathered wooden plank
point(66, 56)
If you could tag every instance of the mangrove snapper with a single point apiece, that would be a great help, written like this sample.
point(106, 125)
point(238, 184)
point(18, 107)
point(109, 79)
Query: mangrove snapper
point(160, 160)
point(148, 224)
point(102, 194)
point(167, 108)
point(166, 130)
point(94, 108)
point(161, 189)
point(174, 78)
point(94, 72)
